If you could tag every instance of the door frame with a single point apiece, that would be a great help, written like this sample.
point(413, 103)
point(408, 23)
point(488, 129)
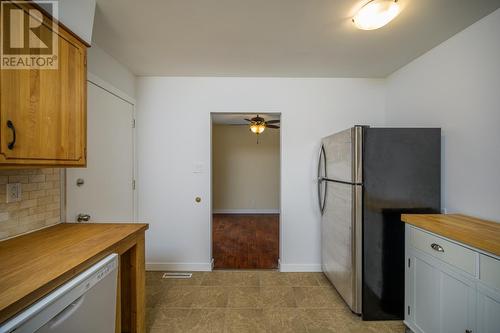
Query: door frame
point(108, 87)
point(280, 225)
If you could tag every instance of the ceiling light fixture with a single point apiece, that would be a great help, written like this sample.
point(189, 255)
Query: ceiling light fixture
point(376, 13)
point(257, 128)
point(258, 125)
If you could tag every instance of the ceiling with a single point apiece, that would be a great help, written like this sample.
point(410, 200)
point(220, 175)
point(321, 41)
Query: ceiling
point(239, 118)
point(282, 38)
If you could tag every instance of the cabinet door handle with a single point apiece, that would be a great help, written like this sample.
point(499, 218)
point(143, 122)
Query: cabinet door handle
point(11, 144)
point(437, 247)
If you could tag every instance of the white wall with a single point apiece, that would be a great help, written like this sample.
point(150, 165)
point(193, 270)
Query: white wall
point(456, 86)
point(174, 136)
point(246, 174)
point(107, 68)
point(77, 15)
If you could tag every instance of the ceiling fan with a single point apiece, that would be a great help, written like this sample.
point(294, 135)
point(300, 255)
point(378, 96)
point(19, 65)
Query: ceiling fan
point(259, 124)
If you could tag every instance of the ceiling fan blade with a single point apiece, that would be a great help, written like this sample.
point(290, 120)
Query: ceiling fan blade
point(251, 121)
point(273, 121)
point(272, 126)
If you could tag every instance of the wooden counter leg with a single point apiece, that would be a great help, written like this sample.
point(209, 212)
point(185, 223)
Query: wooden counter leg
point(138, 287)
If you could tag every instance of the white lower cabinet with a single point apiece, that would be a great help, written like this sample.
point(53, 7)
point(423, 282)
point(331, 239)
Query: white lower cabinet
point(442, 302)
point(458, 305)
point(441, 297)
point(426, 301)
point(488, 320)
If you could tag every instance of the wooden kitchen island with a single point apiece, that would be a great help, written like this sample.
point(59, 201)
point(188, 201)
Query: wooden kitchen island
point(35, 264)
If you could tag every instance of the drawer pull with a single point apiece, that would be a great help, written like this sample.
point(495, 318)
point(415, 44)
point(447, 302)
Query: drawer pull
point(437, 247)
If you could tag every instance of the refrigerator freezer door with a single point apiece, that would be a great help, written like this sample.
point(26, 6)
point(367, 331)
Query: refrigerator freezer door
point(402, 169)
point(343, 155)
point(341, 241)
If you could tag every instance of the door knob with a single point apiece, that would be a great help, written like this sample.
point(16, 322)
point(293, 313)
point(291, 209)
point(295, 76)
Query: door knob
point(83, 218)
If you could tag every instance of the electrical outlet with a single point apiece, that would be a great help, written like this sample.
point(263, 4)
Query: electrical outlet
point(13, 192)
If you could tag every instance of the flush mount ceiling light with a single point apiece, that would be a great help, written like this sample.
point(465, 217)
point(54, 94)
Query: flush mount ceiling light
point(376, 13)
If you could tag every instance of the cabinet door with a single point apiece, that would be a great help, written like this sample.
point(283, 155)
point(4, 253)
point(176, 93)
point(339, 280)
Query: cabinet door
point(458, 304)
point(443, 302)
point(488, 311)
point(47, 109)
point(425, 310)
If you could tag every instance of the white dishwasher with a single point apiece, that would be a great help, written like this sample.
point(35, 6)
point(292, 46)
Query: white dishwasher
point(86, 303)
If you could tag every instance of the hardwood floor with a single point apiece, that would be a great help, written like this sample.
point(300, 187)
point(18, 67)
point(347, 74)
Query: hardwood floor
point(245, 241)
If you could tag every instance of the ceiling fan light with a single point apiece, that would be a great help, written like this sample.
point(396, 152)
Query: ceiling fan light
point(376, 13)
point(257, 128)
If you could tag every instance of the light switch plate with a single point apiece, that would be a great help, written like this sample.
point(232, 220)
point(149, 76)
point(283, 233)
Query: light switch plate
point(13, 192)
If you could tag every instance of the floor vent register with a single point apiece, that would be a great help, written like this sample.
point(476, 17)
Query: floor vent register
point(177, 275)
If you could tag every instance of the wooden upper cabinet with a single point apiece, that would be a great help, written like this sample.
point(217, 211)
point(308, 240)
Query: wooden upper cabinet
point(45, 108)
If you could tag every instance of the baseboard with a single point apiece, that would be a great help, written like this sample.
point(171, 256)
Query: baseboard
point(300, 267)
point(207, 267)
point(171, 266)
point(246, 211)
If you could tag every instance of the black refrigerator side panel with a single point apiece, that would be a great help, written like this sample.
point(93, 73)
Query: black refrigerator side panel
point(402, 174)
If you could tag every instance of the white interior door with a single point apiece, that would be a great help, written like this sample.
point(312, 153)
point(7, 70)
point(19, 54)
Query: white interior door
point(106, 194)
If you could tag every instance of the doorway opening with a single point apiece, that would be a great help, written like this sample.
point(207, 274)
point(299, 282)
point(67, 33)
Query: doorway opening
point(246, 153)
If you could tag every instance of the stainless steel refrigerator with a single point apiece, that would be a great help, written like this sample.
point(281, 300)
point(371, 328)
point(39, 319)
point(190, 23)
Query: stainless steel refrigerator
point(368, 177)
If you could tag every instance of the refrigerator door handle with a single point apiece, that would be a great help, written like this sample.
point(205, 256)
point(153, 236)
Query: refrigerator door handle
point(321, 179)
point(357, 155)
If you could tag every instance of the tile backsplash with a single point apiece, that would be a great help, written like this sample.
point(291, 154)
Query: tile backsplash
point(40, 203)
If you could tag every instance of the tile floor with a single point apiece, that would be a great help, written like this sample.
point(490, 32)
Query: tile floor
point(252, 301)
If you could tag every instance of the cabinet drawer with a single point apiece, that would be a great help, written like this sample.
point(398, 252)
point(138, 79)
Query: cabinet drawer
point(451, 253)
point(489, 271)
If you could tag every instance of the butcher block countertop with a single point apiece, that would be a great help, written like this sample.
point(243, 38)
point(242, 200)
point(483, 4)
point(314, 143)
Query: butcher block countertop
point(480, 234)
point(32, 265)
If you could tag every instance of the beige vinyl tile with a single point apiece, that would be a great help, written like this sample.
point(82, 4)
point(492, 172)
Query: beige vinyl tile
point(210, 297)
point(271, 278)
point(245, 321)
point(303, 279)
point(245, 297)
point(278, 297)
point(252, 301)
